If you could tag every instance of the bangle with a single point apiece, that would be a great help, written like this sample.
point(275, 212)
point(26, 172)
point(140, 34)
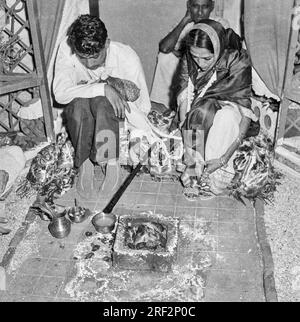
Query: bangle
point(239, 140)
point(223, 162)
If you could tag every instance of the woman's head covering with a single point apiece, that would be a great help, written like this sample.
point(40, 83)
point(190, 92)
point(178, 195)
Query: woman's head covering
point(221, 39)
point(232, 66)
point(216, 33)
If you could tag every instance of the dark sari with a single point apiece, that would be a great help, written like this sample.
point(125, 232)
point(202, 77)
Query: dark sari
point(234, 78)
point(252, 163)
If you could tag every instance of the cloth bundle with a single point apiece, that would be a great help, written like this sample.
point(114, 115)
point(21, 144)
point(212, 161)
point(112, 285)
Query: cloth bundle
point(51, 171)
point(166, 157)
point(254, 172)
point(162, 120)
point(254, 175)
point(167, 148)
point(127, 89)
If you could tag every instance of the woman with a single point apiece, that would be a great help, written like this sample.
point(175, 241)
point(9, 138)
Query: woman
point(214, 106)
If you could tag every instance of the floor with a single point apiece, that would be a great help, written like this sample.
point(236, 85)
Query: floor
point(234, 273)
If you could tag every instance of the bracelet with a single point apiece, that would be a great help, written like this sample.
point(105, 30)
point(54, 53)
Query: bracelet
point(223, 162)
point(239, 140)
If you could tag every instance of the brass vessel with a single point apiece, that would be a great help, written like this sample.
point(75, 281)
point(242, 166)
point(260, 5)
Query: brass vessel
point(60, 225)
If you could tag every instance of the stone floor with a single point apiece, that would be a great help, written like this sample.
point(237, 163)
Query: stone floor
point(236, 273)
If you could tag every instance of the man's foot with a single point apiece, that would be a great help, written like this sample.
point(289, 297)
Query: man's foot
point(113, 179)
point(85, 186)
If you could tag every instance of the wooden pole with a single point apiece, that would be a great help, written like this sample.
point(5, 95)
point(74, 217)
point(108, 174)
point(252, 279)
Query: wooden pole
point(285, 102)
point(94, 8)
point(41, 66)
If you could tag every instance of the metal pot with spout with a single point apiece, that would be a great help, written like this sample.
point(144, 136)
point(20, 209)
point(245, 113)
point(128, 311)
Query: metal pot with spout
point(60, 225)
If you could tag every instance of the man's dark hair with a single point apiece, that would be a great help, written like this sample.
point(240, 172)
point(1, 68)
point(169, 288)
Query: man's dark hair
point(87, 35)
point(210, 2)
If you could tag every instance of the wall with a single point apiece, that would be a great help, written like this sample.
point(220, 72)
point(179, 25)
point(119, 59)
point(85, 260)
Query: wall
point(232, 10)
point(143, 23)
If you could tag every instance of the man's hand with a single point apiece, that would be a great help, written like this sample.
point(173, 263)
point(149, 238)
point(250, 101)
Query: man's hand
point(187, 17)
point(117, 102)
point(168, 44)
point(213, 165)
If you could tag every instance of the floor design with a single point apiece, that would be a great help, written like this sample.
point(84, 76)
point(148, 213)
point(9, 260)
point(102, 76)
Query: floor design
point(221, 244)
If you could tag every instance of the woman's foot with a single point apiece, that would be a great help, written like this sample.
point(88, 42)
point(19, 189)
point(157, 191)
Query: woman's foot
point(190, 193)
point(195, 193)
point(198, 188)
point(191, 174)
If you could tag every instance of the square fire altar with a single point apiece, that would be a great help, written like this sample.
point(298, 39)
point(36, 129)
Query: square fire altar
point(146, 242)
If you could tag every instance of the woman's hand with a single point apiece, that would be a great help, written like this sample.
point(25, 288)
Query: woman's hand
point(118, 103)
point(213, 165)
point(183, 111)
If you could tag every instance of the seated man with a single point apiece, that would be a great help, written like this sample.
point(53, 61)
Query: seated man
point(170, 51)
point(101, 82)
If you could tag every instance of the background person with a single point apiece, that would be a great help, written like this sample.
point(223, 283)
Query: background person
point(171, 48)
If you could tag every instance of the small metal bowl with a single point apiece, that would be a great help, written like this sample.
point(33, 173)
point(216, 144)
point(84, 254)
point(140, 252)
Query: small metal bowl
point(78, 214)
point(104, 223)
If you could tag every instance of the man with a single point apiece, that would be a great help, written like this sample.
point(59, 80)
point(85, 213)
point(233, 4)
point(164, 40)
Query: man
point(163, 89)
point(92, 74)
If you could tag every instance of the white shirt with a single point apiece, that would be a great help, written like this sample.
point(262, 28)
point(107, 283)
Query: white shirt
point(73, 80)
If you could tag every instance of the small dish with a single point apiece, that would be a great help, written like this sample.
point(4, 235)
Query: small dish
point(78, 214)
point(104, 223)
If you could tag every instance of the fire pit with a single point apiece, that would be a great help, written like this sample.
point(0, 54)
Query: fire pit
point(146, 242)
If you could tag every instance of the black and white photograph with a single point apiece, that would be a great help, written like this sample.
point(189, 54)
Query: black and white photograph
point(149, 154)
